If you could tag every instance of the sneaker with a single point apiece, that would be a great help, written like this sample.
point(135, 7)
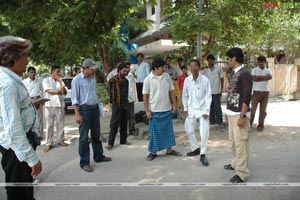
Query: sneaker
point(203, 160)
point(194, 153)
point(35, 181)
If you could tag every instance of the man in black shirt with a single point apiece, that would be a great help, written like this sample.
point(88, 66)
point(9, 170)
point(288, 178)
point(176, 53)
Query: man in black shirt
point(238, 112)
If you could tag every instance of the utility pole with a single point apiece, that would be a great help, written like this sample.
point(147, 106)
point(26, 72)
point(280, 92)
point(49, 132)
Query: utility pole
point(199, 37)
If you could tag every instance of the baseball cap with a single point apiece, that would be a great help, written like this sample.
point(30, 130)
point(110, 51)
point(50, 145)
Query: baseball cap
point(90, 63)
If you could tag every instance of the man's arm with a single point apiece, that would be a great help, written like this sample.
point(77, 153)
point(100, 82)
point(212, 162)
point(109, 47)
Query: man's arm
point(146, 105)
point(262, 78)
point(173, 98)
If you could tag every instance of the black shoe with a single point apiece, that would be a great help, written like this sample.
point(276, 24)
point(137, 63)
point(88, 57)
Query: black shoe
point(194, 153)
point(228, 167)
point(204, 160)
point(236, 179)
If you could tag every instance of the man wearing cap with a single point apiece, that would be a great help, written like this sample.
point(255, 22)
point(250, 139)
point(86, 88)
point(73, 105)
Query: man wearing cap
point(19, 159)
point(55, 91)
point(85, 100)
point(118, 96)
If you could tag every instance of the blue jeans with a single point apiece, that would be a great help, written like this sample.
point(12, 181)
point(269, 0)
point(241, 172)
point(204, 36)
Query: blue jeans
point(90, 121)
point(216, 114)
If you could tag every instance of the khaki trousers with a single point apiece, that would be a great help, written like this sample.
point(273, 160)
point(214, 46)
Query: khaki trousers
point(239, 138)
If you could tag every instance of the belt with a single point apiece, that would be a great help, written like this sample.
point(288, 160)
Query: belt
point(35, 97)
point(261, 91)
point(85, 106)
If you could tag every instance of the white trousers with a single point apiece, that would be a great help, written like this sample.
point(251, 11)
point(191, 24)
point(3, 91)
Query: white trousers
point(41, 120)
point(51, 114)
point(190, 123)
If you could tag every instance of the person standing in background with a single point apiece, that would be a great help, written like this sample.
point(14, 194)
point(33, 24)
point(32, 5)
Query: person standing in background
point(141, 70)
point(132, 97)
point(36, 90)
point(55, 91)
point(261, 75)
point(214, 73)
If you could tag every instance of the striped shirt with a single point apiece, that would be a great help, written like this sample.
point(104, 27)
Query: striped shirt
point(17, 117)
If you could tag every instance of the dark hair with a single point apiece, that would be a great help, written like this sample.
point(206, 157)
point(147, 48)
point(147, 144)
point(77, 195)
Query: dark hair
point(122, 66)
point(237, 53)
point(168, 57)
point(183, 67)
point(54, 68)
point(196, 61)
point(210, 56)
point(261, 59)
point(12, 48)
point(179, 59)
point(158, 62)
point(31, 69)
point(76, 69)
point(140, 54)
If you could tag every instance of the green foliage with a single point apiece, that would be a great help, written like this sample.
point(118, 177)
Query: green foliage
point(66, 31)
point(227, 23)
point(102, 93)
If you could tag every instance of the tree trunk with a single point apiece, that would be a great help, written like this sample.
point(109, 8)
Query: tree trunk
point(104, 56)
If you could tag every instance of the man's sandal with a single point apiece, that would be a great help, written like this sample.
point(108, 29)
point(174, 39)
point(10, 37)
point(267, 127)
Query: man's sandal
point(151, 156)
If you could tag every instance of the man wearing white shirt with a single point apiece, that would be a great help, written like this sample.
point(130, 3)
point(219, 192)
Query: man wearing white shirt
point(196, 100)
point(55, 91)
point(215, 75)
point(132, 97)
point(141, 70)
point(261, 75)
point(35, 89)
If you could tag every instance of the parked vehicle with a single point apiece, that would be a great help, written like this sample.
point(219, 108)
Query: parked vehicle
point(67, 99)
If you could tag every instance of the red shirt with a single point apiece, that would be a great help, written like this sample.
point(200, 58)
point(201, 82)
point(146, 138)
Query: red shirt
point(181, 81)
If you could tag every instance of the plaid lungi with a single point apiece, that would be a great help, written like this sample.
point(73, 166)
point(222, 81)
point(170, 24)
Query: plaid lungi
point(161, 131)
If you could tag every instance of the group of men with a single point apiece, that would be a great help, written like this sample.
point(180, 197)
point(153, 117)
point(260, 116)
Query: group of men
point(19, 128)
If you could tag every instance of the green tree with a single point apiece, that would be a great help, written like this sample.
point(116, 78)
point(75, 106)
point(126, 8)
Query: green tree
point(224, 23)
point(66, 31)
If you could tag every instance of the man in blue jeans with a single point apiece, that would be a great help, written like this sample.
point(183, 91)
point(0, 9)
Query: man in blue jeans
point(85, 101)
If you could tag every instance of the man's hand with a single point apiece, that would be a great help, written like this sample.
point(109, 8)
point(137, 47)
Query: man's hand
point(36, 169)
point(78, 118)
point(205, 116)
point(174, 109)
point(184, 114)
point(148, 114)
point(241, 122)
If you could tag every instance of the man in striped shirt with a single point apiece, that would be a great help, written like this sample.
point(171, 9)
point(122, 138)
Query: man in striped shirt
point(19, 159)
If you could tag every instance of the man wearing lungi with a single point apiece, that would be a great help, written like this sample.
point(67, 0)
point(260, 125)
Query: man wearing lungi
point(160, 105)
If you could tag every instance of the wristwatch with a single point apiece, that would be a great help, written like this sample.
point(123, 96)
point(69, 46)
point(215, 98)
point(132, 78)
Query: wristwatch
point(242, 115)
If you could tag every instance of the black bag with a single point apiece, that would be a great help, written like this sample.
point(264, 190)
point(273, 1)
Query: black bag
point(141, 117)
point(33, 138)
